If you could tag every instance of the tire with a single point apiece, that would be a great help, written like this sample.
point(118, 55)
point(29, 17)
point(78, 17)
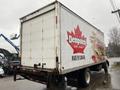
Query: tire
point(56, 82)
point(105, 67)
point(84, 78)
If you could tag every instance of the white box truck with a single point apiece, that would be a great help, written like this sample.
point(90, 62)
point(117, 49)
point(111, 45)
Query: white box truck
point(58, 45)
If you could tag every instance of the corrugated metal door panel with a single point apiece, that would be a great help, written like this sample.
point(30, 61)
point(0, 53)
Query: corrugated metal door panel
point(38, 41)
point(49, 40)
point(25, 44)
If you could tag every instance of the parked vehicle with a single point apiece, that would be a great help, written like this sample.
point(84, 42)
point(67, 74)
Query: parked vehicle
point(8, 61)
point(1, 71)
point(58, 46)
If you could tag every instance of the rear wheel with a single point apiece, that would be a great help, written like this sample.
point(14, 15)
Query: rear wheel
point(84, 78)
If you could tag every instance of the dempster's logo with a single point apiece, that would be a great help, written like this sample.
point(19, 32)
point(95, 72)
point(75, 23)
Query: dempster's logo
point(77, 40)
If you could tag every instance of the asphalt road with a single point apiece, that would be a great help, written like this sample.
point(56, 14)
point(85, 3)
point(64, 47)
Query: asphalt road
point(99, 81)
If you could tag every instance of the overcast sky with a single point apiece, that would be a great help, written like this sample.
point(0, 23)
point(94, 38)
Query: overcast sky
point(97, 12)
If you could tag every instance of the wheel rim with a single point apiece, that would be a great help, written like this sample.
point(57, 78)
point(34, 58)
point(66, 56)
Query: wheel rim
point(87, 77)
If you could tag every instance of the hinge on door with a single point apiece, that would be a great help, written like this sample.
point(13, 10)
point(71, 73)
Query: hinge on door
point(57, 62)
point(36, 65)
point(56, 19)
point(43, 64)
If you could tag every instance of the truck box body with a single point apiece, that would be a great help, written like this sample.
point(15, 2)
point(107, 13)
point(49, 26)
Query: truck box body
point(55, 37)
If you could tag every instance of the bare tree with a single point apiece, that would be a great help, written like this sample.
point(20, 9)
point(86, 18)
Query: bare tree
point(114, 42)
point(114, 36)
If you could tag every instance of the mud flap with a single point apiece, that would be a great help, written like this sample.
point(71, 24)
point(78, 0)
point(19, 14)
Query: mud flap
point(105, 67)
point(56, 82)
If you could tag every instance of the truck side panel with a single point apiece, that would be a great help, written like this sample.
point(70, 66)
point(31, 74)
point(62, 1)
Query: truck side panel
point(81, 43)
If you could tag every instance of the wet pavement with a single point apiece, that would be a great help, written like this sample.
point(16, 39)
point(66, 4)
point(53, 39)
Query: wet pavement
point(99, 81)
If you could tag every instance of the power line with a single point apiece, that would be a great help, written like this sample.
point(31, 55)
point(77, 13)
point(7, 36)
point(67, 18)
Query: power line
point(113, 5)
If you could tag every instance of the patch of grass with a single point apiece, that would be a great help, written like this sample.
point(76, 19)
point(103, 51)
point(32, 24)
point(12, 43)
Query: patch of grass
point(116, 65)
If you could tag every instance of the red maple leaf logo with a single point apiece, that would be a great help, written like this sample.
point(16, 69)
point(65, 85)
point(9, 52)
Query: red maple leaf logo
point(77, 40)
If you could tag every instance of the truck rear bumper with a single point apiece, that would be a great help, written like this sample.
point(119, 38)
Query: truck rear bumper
point(36, 74)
